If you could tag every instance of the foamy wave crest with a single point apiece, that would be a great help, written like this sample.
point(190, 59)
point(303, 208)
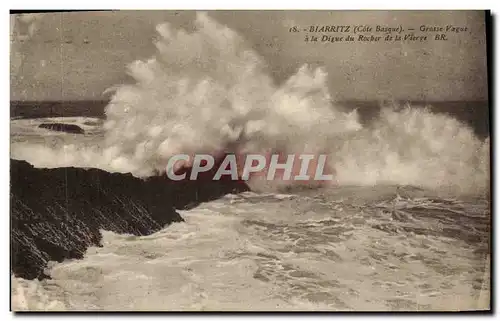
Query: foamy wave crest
point(413, 146)
point(207, 91)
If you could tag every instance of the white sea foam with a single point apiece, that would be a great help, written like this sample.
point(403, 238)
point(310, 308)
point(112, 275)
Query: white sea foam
point(207, 91)
point(256, 252)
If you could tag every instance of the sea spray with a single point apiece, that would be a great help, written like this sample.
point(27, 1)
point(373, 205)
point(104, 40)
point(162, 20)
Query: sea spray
point(412, 146)
point(208, 92)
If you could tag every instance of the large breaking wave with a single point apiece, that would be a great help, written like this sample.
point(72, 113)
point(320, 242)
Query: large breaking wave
point(208, 91)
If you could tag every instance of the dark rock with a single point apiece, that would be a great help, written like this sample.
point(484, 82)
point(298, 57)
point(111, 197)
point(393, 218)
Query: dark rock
point(60, 127)
point(56, 214)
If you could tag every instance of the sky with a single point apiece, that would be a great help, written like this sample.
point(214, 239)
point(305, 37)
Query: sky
point(78, 55)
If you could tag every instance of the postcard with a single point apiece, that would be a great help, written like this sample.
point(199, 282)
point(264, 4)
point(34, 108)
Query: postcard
point(250, 161)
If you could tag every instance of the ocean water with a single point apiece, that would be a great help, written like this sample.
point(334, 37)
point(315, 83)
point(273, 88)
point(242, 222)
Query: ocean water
point(383, 248)
point(405, 225)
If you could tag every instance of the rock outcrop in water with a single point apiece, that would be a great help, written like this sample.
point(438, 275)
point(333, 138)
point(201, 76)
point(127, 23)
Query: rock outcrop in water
point(60, 127)
point(58, 213)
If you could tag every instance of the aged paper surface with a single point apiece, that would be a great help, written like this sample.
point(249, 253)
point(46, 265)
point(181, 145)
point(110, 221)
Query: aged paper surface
point(123, 122)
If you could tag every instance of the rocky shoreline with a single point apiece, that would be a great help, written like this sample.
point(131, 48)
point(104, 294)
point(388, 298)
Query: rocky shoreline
point(58, 213)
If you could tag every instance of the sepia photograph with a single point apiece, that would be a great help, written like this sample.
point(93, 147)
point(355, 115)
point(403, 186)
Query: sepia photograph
point(250, 161)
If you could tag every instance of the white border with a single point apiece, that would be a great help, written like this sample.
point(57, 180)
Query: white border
point(190, 4)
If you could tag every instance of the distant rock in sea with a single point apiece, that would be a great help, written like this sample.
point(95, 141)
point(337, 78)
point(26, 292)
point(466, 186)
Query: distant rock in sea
point(61, 127)
point(58, 213)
